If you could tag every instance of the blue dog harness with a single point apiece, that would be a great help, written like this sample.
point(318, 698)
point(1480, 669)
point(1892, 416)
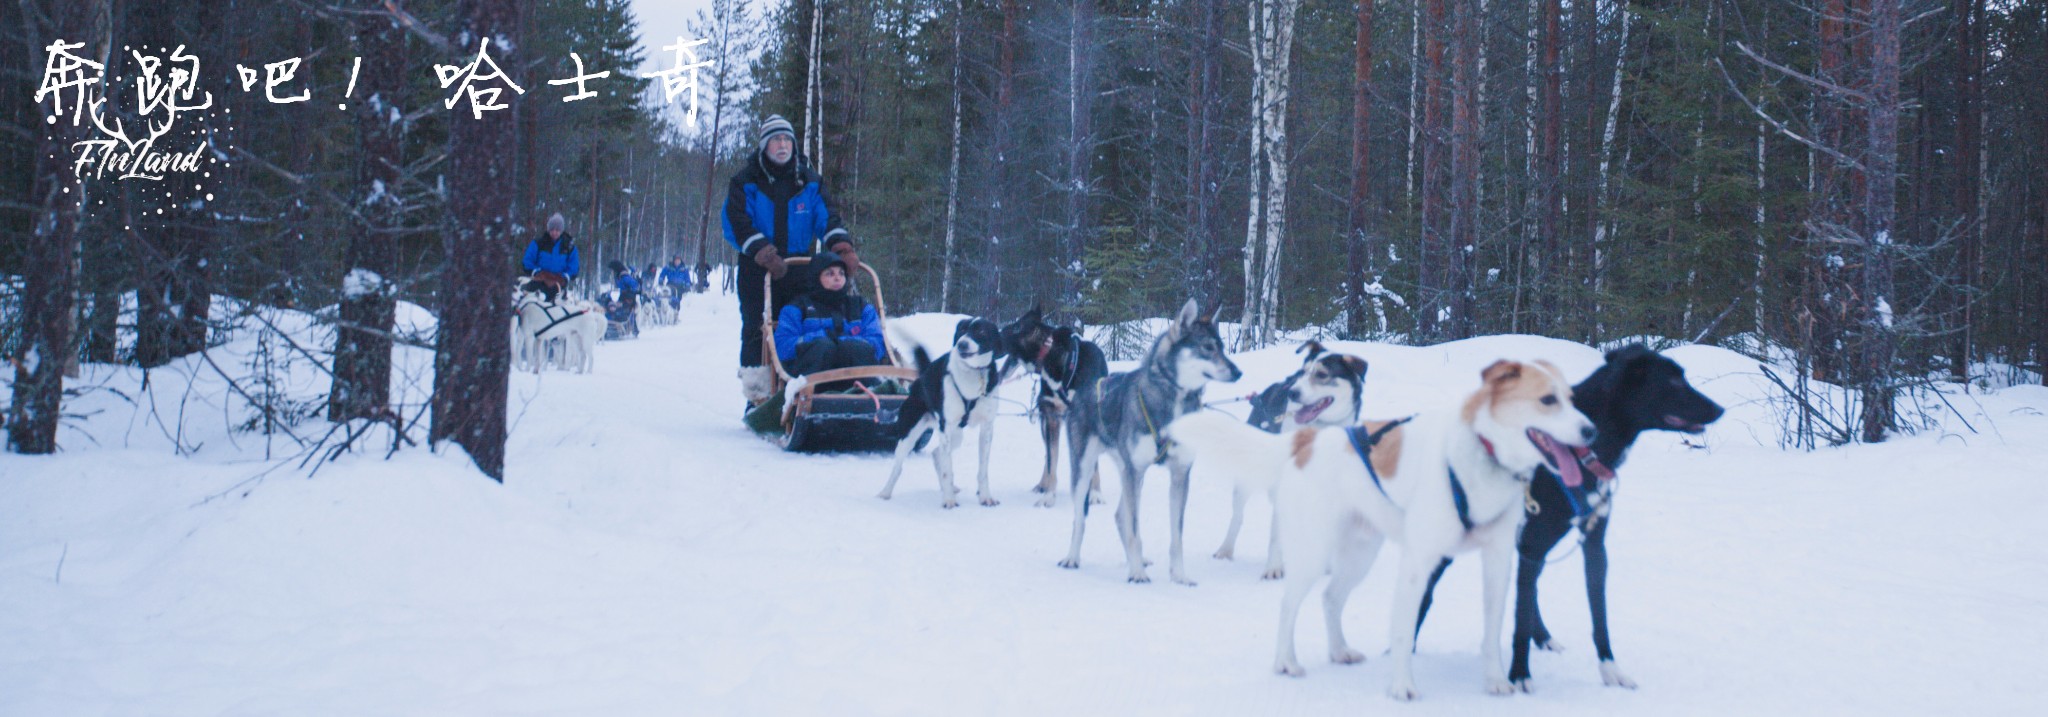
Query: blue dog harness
point(1363, 441)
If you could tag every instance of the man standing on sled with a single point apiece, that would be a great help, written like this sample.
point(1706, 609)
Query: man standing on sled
point(775, 207)
point(552, 259)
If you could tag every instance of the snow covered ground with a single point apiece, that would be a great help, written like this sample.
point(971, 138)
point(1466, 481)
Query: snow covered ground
point(646, 555)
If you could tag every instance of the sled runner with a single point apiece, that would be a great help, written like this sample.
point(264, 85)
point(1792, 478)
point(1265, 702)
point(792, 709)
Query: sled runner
point(853, 419)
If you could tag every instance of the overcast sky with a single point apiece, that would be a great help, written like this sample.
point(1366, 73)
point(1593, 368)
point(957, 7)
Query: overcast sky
point(662, 21)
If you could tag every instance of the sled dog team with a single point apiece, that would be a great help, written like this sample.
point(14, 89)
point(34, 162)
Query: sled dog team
point(1507, 471)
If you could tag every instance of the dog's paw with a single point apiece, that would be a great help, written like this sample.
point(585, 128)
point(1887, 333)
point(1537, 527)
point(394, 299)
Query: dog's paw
point(1070, 563)
point(1289, 668)
point(1044, 501)
point(1549, 646)
point(1273, 574)
point(1521, 685)
point(950, 504)
point(989, 501)
point(1183, 579)
point(1403, 691)
point(1347, 656)
point(1225, 553)
point(884, 495)
point(1138, 577)
point(1095, 498)
point(1043, 487)
point(1610, 675)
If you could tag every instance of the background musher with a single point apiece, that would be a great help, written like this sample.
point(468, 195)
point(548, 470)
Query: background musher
point(677, 278)
point(552, 259)
point(775, 207)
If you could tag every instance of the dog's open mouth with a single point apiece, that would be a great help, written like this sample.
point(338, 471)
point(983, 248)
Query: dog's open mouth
point(1571, 463)
point(1309, 413)
point(1679, 423)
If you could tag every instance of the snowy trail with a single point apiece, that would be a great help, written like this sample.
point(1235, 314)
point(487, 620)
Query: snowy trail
point(647, 555)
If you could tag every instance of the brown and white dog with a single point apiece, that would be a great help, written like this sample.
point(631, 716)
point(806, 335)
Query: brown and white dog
point(1324, 393)
point(1441, 483)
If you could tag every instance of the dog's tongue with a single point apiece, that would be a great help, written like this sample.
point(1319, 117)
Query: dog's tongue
point(1566, 459)
point(1311, 411)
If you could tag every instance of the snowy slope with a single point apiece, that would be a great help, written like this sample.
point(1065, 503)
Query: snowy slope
point(646, 555)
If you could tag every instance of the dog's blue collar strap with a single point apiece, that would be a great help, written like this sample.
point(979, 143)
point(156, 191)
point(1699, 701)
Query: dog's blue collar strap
point(1362, 441)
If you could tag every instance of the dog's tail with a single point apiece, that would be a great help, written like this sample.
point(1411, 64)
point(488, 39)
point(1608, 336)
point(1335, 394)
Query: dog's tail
point(914, 408)
point(1219, 442)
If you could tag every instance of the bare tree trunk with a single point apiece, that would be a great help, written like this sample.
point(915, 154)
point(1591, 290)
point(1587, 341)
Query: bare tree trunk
point(953, 168)
point(472, 357)
point(1256, 17)
point(814, 89)
point(1203, 79)
point(1004, 195)
point(1968, 174)
point(1435, 254)
point(1414, 97)
point(49, 302)
point(1549, 213)
point(362, 344)
point(1277, 41)
point(726, 17)
point(1464, 219)
point(1359, 247)
point(1080, 143)
point(1880, 194)
point(1601, 222)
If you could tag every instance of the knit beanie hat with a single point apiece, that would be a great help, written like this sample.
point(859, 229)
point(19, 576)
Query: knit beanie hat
point(776, 125)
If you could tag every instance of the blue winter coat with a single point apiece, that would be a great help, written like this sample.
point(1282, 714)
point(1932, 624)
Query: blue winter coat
point(629, 285)
point(675, 275)
point(759, 206)
point(803, 320)
point(561, 258)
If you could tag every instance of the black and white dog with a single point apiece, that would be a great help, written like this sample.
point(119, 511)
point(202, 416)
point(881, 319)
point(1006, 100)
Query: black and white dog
point(1636, 390)
point(949, 397)
point(1325, 392)
point(1063, 361)
point(1123, 414)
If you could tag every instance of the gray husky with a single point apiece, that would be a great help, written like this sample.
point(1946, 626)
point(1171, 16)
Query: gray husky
point(1123, 414)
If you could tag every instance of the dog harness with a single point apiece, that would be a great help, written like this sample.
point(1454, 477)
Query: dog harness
point(1363, 441)
point(548, 310)
point(1159, 444)
point(988, 386)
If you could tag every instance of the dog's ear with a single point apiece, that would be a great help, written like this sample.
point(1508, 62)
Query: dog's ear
point(1033, 316)
point(1190, 314)
point(1312, 348)
point(1357, 365)
point(1501, 373)
point(960, 329)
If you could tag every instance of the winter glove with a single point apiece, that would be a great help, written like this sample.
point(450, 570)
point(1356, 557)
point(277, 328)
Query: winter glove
point(771, 260)
point(847, 254)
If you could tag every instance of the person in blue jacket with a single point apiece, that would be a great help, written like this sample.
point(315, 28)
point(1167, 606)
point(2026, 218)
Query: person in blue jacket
point(828, 327)
point(677, 278)
point(621, 309)
point(776, 206)
point(552, 259)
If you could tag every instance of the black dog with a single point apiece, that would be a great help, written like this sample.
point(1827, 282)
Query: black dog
point(1064, 363)
point(950, 396)
point(1637, 390)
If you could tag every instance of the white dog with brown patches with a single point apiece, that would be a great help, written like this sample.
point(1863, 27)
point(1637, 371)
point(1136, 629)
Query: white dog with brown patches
point(1441, 483)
